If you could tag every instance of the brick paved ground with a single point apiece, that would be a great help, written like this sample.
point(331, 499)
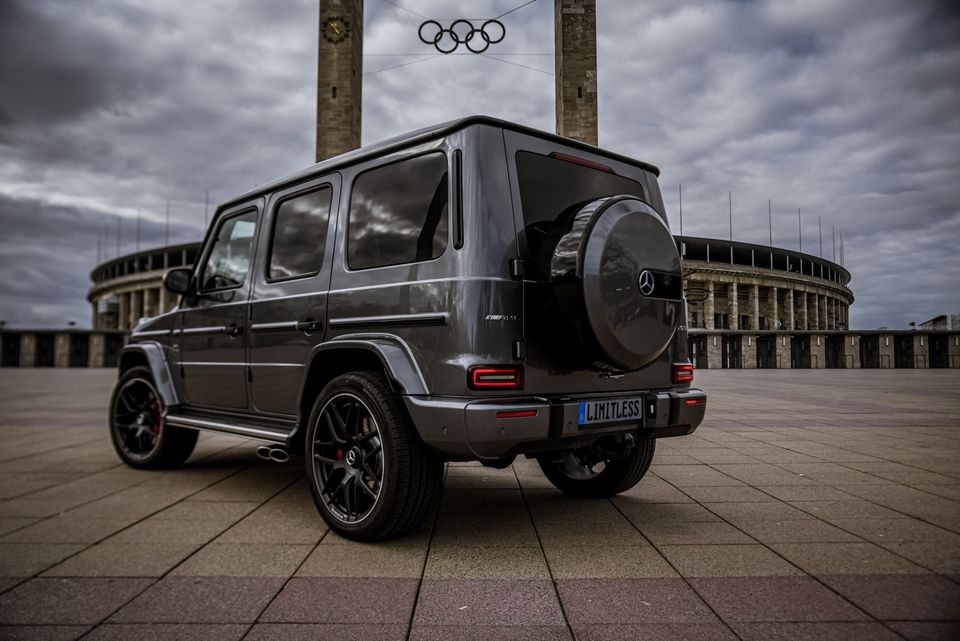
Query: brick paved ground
point(810, 505)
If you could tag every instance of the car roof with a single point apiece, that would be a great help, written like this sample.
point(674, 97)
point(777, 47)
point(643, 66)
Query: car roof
point(417, 137)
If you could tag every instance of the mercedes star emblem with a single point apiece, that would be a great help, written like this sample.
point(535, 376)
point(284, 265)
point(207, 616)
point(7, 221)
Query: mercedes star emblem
point(646, 282)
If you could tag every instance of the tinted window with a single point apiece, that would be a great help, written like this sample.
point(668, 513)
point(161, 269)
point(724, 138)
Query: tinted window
point(229, 259)
point(398, 213)
point(552, 190)
point(299, 234)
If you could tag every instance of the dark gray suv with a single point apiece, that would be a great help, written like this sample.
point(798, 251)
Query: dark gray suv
point(472, 291)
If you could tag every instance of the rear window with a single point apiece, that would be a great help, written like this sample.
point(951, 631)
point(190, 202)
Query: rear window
point(551, 190)
point(398, 213)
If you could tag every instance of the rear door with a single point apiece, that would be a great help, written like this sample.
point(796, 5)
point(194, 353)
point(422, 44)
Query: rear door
point(289, 308)
point(213, 325)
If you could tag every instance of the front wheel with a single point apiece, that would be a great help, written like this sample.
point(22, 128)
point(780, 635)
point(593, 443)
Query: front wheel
point(138, 430)
point(583, 474)
point(370, 474)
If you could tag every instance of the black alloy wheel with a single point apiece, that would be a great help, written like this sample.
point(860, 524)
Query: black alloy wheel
point(347, 453)
point(139, 433)
point(137, 419)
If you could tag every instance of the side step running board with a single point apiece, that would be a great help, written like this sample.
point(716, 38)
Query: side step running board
point(274, 436)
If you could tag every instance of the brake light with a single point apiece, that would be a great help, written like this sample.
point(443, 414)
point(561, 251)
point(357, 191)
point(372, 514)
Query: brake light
point(682, 372)
point(495, 377)
point(581, 161)
point(694, 401)
point(517, 414)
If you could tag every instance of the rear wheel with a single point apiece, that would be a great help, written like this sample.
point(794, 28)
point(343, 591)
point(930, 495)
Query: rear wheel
point(370, 474)
point(138, 431)
point(584, 474)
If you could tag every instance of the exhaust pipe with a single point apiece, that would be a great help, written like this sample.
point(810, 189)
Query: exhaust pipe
point(273, 453)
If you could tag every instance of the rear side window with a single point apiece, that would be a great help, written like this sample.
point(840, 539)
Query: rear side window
point(398, 213)
point(552, 189)
point(300, 234)
point(229, 259)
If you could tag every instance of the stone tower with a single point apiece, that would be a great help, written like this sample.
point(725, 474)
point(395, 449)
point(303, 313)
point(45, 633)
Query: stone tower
point(339, 77)
point(575, 35)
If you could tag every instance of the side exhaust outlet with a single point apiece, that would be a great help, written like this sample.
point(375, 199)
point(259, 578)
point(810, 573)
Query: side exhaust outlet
point(273, 453)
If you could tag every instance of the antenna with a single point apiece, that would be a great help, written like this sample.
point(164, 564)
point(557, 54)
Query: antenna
point(820, 231)
point(770, 220)
point(799, 229)
point(834, 235)
point(680, 189)
point(166, 227)
point(206, 207)
point(138, 229)
point(730, 206)
point(118, 235)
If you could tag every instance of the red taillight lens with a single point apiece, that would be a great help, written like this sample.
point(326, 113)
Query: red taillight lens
point(503, 377)
point(581, 161)
point(682, 372)
point(517, 414)
point(694, 401)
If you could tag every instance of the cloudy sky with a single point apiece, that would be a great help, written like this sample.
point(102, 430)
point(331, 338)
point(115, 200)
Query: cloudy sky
point(846, 109)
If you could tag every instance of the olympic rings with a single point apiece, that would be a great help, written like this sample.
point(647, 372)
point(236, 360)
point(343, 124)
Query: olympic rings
point(461, 32)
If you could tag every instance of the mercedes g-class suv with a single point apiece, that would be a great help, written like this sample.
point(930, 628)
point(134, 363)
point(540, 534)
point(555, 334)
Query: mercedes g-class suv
point(476, 291)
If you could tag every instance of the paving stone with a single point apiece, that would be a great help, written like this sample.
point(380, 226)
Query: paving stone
point(304, 527)
point(738, 513)
point(806, 492)
point(726, 494)
point(834, 511)
point(800, 531)
point(178, 599)
point(42, 632)
point(67, 601)
point(208, 510)
point(483, 504)
point(927, 630)
point(899, 531)
point(486, 563)
point(726, 561)
point(9, 524)
point(656, 632)
point(588, 533)
point(231, 559)
point(687, 533)
point(608, 562)
point(942, 558)
point(834, 631)
point(343, 600)
point(631, 601)
point(488, 632)
point(177, 531)
point(900, 597)
point(67, 529)
point(693, 475)
point(655, 490)
point(459, 602)
point(325, 632)
point(166, 632)
point(782, 598)
point(124, 559)
point(459, 533)
point(641, 513)
point(845, 558)
point(28, 559)
point(552, 506)
point(385, 559)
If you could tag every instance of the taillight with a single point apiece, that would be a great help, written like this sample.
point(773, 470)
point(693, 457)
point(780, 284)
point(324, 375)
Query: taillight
point(682, 372)
point(517, 414)
point(503, 377)
point(581, 161)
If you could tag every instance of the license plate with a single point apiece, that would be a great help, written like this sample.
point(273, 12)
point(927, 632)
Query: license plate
point(611, 410)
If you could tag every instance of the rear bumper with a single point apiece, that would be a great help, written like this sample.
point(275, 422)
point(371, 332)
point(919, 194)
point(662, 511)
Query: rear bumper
point(479, 429)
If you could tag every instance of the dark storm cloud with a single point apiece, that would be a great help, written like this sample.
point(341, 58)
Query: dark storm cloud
point(847, 110)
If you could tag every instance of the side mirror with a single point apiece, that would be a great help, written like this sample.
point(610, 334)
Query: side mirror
point(179, 280)
point(696, 294)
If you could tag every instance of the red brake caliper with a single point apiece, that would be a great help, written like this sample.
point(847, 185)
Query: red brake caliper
point(339, 454)
point(155, 428)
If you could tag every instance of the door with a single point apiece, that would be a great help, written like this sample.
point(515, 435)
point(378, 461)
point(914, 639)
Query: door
point(289, 307)
point(213, 324)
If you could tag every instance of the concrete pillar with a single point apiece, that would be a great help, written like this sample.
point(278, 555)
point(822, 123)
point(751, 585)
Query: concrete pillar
point(575, 73)
point(61, 350)
point(818, 351)
point(805, 312)
point(748, 350)
point(886, 351)
point(782, 351)
point(823, 312)
point(851, 347)
point(921, 351)
point(753, 304)
point(28, 350)
point(708, 308)
point(791, 319)
point(339, 77)
point(123, 311)
point(773, 308)
point(814, 322)
point(714, 351)
point(953, 350)
point(97, 348)
point(164, 304)
point(733, 306)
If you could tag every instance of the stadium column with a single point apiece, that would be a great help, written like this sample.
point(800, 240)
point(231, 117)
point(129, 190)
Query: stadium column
point(339, 77)
point(816, 311)
point(754, 305)
point(708, 307)
point(772, 309)
point(804, 312)
point(791, 319)
point(733, 308)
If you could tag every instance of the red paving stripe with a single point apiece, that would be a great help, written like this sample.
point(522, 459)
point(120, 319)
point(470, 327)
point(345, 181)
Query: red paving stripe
point(343, 600)
point(67, 601)
point(774, 599)
point(901, 597)
point(463, 602)
point(623, 601)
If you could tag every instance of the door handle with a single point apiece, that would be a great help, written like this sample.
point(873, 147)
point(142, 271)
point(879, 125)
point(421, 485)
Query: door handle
point(309, 325)
point(233, 330)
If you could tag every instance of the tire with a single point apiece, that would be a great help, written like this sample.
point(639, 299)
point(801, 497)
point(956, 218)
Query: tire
point(371, 476)
point(616, 476)
point(139, 434)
